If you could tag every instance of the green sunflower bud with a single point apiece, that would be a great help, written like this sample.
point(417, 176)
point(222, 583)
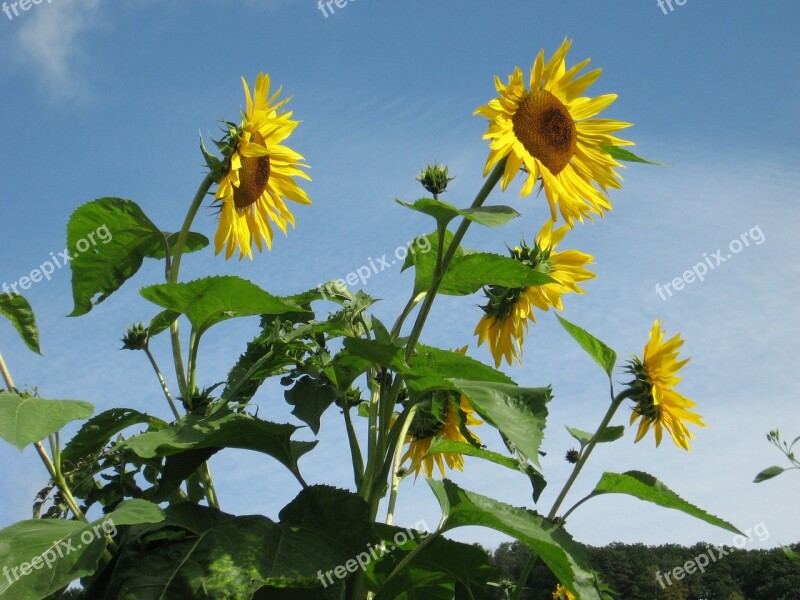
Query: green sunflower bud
point(135, 338)
point(434, 179)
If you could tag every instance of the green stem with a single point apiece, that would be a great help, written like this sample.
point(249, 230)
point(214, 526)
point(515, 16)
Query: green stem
point(483, 194)
point(413, 554)
point(523, 578)
point(586, 452)
point(163, 383)
point(172, 277)
point(355, 448)
point(398, 457)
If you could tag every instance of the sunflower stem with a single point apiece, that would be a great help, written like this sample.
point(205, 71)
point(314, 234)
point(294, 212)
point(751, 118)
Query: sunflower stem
point(163, 383)
point(523, 578)
point(480, 198)
point(355, 448)
point(398, 457)
point(586, 452)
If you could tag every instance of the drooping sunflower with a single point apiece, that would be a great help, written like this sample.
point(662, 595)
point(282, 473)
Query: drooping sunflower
point(546, 127)
point(562, 593)
point(259, 175)
point(447, 415)
point(508, 310)
point(657, 402)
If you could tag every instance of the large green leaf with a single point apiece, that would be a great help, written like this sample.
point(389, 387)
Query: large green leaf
point(556, 548)
point(107, 241)
point(519, 413)
point(646, 487)
point(600, 353)
point(17, 309)
point(211, 300)
point(469, 273)
point(443, 212)
point(433, 572)
point(223, 430)
point(202, 553)
point(98, 431)
point(44, 555)
point(25, 420)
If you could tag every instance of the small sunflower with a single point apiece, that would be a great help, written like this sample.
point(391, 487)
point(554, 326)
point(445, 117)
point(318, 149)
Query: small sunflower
point(446, 415)
point(508, 310)
point(546, 127)
point(259, 175)
point(657, 402)
point(562, 593)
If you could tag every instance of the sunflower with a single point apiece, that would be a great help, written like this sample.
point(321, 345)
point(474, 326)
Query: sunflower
point(446, 415)
point(657, 402)
point(546, 127)
point(562, 593)
point(506, 315)
point(259, 175)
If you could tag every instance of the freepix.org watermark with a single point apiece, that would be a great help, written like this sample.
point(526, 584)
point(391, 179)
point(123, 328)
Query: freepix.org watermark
point(699, 271)
point(363, 559)
point(713, 554)
point(420, 245)
point(330, 4)
point(20, 5)
point(59, 550)
point(663, 4)
point(57, 261)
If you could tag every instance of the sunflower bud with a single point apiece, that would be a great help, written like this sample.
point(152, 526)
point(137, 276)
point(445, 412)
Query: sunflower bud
point(434, 179)
point(572, 456)
point(135, 338)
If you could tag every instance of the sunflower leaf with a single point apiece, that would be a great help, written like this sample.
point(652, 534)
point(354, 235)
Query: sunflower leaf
point(443, 212)
point(440, 445)
point(519, 413)
point(17, 309)
point(107, 241)
point(628, 156)
point(38, 543)
point(202, 552)
point(609, 434)
point(223, 430)
point(469, 273)
point(211, 300)
point(649, 489)
point(600, 353)
point(565, 558)
point(26, 420)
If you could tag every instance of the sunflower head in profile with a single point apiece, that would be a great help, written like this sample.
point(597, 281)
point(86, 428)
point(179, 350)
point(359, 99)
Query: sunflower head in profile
point(257, 174)
point(508, 310)
point(657, 402)
point(545, 125)
point(441, 414)
point(562, 593)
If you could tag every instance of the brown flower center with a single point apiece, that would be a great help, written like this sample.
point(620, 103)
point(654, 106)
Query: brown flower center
point(544, 126)
point(253, 177)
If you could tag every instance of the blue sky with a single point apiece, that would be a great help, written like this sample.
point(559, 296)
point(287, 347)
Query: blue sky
point(106, 99)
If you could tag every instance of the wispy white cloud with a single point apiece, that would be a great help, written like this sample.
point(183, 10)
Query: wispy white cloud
point(49, 44)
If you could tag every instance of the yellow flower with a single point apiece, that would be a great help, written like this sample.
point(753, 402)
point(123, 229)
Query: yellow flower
point(508, 311)
point(657, 402)
point(562, 593)
point(259, 176)
point(546, 128)
point(443, 416)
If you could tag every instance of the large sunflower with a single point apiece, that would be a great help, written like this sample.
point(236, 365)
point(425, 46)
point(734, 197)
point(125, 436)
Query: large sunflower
point(447, 415)
point(546, 127)
point(259, 175)
point(657, 402)
point(506, 315)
